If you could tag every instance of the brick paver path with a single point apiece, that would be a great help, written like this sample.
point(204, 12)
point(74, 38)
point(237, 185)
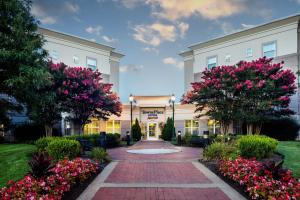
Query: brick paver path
point(175, 176)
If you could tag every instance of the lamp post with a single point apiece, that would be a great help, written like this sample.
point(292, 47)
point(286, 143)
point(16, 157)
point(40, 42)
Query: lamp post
point(173, 98)
point(131, 99)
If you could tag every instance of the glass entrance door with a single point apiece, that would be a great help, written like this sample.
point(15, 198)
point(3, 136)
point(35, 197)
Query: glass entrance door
point(152, 129)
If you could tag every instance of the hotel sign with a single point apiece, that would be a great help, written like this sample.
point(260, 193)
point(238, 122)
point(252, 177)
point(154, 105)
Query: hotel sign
point(152, 114)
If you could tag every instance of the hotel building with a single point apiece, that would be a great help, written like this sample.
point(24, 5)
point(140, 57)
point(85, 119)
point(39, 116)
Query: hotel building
point(278, 39)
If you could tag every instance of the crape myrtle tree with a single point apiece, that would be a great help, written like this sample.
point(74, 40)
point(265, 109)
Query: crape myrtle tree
point(248, 91)
point(22, 59)
point(83, 94)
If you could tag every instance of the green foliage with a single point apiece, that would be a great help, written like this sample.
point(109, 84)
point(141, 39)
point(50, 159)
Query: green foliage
point(187, 138)
point(22, 59)
point(99, 154)
point(283, 129)
point(136, 131)
point(168, 130)
point(43, 142)
point(257, 146)
point(63, 148)
point(113, 140)
point(218, 151)
point(92, 138)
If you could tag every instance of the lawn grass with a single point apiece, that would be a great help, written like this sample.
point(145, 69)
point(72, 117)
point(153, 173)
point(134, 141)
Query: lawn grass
point(13, 161)
point(291, 151)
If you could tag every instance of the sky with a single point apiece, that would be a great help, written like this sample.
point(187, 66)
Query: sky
point(151, 33)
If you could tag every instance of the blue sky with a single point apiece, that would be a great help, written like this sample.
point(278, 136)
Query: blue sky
point(151, 33)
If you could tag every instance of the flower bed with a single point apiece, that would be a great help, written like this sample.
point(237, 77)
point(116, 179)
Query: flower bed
point(259, 181)
point(63, 176)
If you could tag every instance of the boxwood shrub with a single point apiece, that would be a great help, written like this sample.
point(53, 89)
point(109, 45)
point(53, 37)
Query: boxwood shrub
point(258, 146)
point(61, 148)
point(43, 142)
point(218, 151)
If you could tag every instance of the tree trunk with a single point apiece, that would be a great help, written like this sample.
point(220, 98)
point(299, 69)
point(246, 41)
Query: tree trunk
point(48, 130)
point(249, 129)
point(257, 128)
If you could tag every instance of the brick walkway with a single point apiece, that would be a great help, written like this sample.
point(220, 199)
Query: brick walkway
point(175, 176)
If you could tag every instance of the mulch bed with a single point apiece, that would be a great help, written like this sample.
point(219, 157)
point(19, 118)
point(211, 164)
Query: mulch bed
point(76, 190)
point(213, 166)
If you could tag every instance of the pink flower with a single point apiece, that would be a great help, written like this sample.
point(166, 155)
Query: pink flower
point(66, 92)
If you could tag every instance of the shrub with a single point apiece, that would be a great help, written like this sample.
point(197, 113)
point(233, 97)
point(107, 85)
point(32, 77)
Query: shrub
point(62, 148)
point(64, 175)
point(218, 151)
point(40, 164)
point(99, 154)
point(168, 130)
point(43, 142)
point(283, 129)
point(136, 131)
point(187, 138)
point(258, 180)
point(113, 140)
point(92, 138)
point(257, 146)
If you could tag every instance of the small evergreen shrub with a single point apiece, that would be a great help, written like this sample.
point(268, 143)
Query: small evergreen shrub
point(168, 130)
point(218, 151)
point(258, 146)
point(40, 164)
point(99, 154)
point(136, 131)
point(113, 140)
point(187, 138)
point(43, 142)
point(61, 148)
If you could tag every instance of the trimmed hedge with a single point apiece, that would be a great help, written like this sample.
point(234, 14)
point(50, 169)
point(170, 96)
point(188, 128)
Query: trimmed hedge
point(63, 148)
point(258, 146)
point(218, 151)
point(43, 142)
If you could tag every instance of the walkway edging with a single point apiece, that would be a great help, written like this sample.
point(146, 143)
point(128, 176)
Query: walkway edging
point(97, 183)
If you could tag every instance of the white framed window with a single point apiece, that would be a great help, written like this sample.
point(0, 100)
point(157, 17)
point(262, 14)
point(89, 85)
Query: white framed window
point(211, 62)
point(269, 49)
point(228, 58)
point(249, 52)
point(213, 126)
point(113, 126)
point(93, 127)
point(54, 55)
point(91, 63)
point(191, 127)
point(75, 59)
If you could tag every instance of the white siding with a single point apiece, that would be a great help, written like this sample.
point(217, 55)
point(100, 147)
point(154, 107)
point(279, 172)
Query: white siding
point(67, 49)
point(284, 36)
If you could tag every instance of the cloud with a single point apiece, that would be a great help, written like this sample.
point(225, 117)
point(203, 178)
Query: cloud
point(109, 39)
point(183, 27)
point(156, 33)
point(246, 26)
point(150, 49)
point(93, 39)
point(71, 7)
point(94, 30)
point(174, 10)
point(130, 3)
point(40, 13)
point(174, 62)
point(131, 67)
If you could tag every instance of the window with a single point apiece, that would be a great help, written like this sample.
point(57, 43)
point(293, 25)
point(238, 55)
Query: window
point(249, 52)
point(211, 62)
point(93, 127)
point(227, 58)
point(91, 63)
point(113, 126)
point(75, 59)
point(191, 127)
point(269, 49)
point(213, 126)
point(54, 55)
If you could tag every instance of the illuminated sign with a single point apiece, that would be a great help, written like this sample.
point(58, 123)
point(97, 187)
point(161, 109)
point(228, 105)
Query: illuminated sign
point(152, 114)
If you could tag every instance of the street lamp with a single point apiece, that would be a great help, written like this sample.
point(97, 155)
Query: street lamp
point(173, 98)
point(131, 99)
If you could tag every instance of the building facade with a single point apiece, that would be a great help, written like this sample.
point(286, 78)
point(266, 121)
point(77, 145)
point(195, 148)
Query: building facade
point(279, 39)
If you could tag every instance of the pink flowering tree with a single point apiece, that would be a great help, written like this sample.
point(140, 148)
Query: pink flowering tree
point(248, 91)
point(84, 95)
